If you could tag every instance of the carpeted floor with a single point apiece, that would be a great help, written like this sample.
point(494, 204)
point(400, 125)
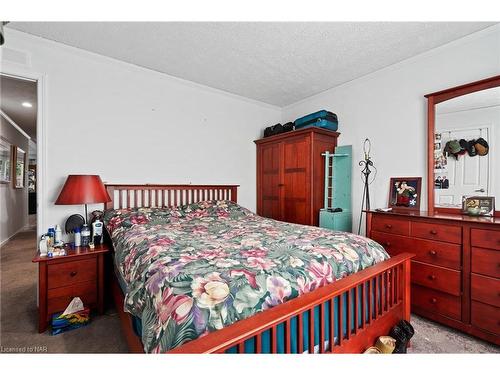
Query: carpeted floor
point(18, 320)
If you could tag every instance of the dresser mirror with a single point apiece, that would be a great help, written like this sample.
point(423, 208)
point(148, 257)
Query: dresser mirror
point(463, 141)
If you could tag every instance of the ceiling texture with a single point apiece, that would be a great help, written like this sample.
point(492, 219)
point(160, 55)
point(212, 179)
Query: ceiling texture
point(13, 92)
point(278, 63)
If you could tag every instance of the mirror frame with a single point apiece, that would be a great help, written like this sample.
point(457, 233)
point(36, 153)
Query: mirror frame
point(432, 100)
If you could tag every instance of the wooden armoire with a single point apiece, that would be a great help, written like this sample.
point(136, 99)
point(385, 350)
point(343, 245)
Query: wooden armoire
point(291, 174)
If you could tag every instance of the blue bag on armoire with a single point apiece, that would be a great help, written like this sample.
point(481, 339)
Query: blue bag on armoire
point(321, 119)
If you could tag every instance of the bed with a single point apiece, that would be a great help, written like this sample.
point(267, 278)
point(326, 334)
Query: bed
point(196, 273)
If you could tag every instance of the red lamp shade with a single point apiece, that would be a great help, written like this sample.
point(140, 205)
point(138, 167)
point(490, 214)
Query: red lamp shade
point(83, 189)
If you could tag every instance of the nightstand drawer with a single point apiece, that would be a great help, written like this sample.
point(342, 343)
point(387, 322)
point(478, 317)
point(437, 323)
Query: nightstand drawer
point(69, 273)
point(59, 298)
point(439, 232)
point(439, 278)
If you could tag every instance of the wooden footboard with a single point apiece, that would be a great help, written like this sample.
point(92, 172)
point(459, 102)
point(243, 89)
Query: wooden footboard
point(383, 292)
point(390, 283)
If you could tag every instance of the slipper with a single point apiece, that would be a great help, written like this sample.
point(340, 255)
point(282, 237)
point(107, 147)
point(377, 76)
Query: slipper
point(386, 344)
point(372, 350)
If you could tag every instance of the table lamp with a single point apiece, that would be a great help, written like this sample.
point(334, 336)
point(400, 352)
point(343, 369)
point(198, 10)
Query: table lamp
point(83, 189)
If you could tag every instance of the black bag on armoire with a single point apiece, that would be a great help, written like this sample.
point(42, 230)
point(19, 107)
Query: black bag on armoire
point(278, 129)
point(273, 130)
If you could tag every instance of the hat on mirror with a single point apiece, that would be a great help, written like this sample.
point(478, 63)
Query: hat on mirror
point(469, 146)
point(481, 147)
point(452, 148)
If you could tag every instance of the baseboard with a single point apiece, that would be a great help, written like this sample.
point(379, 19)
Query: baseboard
point(12, 235)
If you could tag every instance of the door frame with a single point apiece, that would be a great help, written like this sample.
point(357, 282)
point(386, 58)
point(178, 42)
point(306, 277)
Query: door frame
point(19, 72)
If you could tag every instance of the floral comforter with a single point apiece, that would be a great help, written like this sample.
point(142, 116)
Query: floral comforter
point(197, 268)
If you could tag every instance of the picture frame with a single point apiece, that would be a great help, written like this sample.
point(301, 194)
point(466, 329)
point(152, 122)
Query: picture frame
point(404, 193)
point(478, 206)
point(19, 168)
point(6, 158)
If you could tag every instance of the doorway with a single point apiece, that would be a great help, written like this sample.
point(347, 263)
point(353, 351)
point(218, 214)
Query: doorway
point(18, 130)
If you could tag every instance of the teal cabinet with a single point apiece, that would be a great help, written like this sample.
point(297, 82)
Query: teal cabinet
point(337, 193)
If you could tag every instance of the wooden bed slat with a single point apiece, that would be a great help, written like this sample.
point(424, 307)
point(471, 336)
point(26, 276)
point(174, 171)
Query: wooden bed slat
point(311, 330)
point(355, 321)
point(332, 324)
point(288, 336)
point(274, 339)
point(349, 313)
point(322, 328)
point(300, 338)
point(258, 343)
point(363, 305)
point(341, 327)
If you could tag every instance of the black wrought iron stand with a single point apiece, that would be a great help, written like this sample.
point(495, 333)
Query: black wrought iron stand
point(367, 163)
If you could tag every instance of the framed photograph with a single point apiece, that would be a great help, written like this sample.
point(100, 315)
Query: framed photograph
point(5, 161)
point(20, 167)
point(478, 206)
point(405, 193)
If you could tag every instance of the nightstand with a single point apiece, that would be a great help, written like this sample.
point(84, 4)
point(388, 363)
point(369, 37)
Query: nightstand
point(80, 273)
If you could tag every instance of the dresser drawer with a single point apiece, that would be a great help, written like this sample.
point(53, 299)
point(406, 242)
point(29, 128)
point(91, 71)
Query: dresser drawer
point(486, 262)
point(432, 252)
point(69, 273)
point(485, 317)
point(390, 225)
point(489, 239)
point(439, 232)
point(485, 289)
point(59, 298)
point(436, 302)
point(439, 278)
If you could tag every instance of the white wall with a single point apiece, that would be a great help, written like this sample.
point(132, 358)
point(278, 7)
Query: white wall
point(134, 125)
point(130, 124)
point(389, 107)
point(13, 202)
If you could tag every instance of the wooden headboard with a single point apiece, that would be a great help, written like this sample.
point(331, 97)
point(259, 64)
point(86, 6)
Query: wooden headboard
point(131, 196)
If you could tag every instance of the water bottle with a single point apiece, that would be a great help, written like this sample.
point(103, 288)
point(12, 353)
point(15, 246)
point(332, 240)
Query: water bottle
point(58, 235)
point(78, 238)
point(85, 235)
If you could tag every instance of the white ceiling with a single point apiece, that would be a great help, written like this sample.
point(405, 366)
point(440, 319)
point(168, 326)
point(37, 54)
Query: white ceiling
point(278, 63)
point(479, 99)
point(13, 92)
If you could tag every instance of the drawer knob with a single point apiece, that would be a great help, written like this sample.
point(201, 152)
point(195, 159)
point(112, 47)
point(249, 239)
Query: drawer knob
point(433, 231)
point(388, 226)
point(433, 300)
point(388, 244)
point(432, 277)
point(433, 252)
point(73, 273)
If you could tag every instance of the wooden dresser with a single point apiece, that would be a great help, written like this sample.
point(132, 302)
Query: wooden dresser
point(291, 174)
point(456, 271)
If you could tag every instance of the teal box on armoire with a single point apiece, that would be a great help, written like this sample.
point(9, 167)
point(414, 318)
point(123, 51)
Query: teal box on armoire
point(336, 213)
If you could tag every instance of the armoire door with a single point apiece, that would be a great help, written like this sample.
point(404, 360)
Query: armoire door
point(296, 201)
point(270, 185)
